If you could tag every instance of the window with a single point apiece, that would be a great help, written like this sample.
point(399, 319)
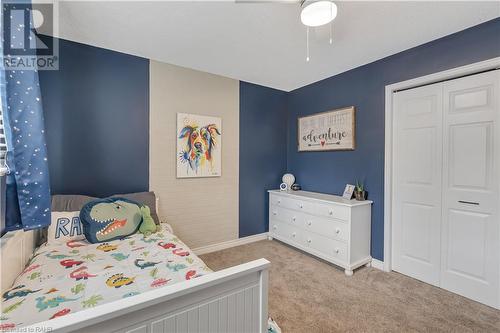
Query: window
point(3, 165)
point(3, 142)
point(3, 145)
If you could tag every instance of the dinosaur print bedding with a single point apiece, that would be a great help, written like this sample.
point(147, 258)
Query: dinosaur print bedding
point(73, 276)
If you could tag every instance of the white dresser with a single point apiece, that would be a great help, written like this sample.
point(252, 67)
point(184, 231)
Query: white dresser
point(327, 226)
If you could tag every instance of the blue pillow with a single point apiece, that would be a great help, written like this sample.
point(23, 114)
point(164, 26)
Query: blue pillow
point(111, 218)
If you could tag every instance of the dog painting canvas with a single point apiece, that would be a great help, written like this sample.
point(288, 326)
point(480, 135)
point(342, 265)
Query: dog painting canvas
point(199, 141)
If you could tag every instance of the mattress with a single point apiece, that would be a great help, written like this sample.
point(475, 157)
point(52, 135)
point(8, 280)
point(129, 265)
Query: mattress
point(69, 277)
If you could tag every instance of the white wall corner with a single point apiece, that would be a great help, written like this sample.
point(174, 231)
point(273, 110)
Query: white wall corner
point(378, 264)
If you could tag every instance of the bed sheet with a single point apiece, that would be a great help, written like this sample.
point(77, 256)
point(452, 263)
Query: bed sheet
point(67, 277)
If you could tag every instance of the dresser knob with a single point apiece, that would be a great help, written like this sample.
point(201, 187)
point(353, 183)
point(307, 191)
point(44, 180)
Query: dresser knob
point(294, 234)
point(274, 227)
point(309, 241)
point(301, 205)
point(337, 231)
point(336, 250)
point(294, 218)
point(309, 223)
point(330, 212)
point(279, 201)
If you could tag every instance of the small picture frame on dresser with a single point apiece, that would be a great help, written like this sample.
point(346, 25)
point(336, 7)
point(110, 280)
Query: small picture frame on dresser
point(348, 191)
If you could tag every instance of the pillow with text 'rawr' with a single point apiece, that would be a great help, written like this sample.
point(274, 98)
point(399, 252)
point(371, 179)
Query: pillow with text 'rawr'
point(65, 227)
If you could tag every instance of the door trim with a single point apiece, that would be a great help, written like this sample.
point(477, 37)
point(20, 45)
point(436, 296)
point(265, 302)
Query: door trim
point(474, 68)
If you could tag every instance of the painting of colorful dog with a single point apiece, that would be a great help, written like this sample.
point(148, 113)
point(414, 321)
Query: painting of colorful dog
point(198, 146)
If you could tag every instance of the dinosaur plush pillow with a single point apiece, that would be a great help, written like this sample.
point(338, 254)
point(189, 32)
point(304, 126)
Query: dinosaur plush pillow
point(110, 218)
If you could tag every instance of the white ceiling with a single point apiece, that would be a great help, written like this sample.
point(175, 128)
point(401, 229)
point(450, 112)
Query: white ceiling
point(265, 42)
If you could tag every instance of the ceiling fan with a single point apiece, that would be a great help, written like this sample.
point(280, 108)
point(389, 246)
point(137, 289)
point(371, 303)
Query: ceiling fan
point(314, 13)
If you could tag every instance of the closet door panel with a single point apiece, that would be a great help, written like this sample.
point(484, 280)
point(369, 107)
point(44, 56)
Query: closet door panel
point(417, 185)
point(470, 230)
point(468, 235)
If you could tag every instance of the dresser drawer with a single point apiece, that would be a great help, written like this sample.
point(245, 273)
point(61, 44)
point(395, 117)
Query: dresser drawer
point(276, 200)
point(300, 205)
point(286, 215)
point(326, 246)
point(292, 203)
point(286, 231)
point(327, 227)
point(332, 210)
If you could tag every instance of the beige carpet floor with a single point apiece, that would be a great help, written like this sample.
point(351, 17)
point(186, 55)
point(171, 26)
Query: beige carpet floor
point(309, 295)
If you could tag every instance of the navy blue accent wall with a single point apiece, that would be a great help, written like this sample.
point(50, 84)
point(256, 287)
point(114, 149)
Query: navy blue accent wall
point(364, 87)
point(262, 152)
point(96, 110)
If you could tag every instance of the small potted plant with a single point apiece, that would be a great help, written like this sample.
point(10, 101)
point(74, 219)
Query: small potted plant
point(359, 191)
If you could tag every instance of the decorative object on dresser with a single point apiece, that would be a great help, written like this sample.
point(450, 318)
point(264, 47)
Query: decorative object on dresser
point(328, 226)
point(348, 191)
point(288, 179)
point(283, 187)
point(359, 191)
point(296, 187)
point(332, 130)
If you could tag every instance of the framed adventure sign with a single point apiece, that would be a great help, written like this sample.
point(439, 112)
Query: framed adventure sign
point(331, 130)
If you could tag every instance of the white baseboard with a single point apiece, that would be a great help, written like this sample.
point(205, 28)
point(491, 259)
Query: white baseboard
point(229, 244)
point(378, 264)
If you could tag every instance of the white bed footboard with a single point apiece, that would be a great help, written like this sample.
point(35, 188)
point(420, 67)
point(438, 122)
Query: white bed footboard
point(231, 300)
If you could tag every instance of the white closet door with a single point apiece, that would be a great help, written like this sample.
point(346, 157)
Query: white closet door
point(470, 233)
point(417, 182)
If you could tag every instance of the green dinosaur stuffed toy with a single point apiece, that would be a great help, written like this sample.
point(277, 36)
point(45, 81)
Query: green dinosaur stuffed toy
point(148, 225)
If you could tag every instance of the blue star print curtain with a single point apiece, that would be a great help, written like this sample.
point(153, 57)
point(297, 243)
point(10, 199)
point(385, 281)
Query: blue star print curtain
point(27, 183)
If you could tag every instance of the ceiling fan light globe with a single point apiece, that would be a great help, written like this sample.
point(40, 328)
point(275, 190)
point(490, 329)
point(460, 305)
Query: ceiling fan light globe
point(318, 13)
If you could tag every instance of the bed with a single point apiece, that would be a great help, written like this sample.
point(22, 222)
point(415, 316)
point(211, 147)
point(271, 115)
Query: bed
point(136, 284)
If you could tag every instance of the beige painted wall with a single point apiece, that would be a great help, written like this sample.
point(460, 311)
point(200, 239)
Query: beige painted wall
point(202, 211)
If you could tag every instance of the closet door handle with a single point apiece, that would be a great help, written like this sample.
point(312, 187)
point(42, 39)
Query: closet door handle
point(468, 202)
